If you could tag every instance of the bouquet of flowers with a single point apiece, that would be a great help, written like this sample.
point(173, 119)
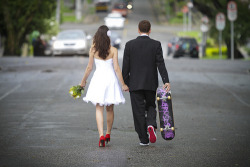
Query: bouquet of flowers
point(76, 91)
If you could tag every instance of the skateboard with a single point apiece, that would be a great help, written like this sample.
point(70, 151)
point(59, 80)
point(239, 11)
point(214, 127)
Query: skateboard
point(164, 103)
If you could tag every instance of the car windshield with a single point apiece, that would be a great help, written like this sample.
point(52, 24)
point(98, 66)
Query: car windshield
point(115, 17)
point(70, 35)
point(174, 40)
point(119, 6)
point(188, 40)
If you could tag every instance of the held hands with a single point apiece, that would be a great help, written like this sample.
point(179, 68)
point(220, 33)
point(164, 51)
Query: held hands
point(166, 86)
point(125, 88)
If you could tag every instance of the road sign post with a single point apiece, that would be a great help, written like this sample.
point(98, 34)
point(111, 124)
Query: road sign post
point(185, 11)
point(232, 16)
point(190, 6)
point(204, 29)
point(220, 25)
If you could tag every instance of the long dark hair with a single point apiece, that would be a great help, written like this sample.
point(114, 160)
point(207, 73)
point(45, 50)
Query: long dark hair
point(101, 42)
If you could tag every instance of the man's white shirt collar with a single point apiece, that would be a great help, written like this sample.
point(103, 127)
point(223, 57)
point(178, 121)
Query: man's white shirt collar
point(144, 34)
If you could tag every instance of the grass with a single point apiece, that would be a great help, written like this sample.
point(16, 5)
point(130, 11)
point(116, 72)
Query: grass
point(66, 9)
point(194, 34)
point(89, 1)
point(176, 20)
point(91, 10)
point(69, 18)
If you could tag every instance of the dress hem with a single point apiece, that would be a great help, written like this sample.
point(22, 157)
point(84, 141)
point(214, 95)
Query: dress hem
point(104, 103)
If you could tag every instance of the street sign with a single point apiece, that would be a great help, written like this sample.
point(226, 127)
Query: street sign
point(204, 28)
point(205, 20)
point(204, 25)
point(220, 21)
point(190, 4)
point(232, 11)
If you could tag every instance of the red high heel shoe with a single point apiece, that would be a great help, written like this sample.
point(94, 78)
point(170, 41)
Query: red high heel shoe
point(102, 141)
point(107, 138)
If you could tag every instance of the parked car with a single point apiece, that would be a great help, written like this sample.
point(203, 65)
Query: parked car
point(171, 45)
point(186, 47)
point(114, 20)
point(115, 39)
point(71, 42)
point(120, 8)
point(129, 4)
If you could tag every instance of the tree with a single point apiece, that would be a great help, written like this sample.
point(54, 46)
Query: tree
point(19, 18)
point(241, 25)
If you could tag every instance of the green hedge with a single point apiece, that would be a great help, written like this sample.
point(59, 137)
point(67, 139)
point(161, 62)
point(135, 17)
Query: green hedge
point(213, 53)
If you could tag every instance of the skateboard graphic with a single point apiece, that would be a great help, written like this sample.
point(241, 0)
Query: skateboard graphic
point(164, 103)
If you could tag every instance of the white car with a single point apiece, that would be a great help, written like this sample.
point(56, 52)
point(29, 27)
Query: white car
point(72, 42)
point(114, 20)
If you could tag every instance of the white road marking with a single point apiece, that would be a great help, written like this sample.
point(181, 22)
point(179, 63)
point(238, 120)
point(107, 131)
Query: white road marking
point(9, 92)
point(228, 90)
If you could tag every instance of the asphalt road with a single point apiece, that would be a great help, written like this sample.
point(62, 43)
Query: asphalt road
point(41, 125)
point(142, 10)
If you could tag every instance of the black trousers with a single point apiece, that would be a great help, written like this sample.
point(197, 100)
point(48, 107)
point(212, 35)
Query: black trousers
point(144, 113)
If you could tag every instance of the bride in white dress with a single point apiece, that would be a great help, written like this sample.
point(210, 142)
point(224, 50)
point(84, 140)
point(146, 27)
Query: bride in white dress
point(104, 89)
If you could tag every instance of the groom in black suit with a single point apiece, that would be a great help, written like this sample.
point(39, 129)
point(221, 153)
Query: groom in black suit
point(142, 57)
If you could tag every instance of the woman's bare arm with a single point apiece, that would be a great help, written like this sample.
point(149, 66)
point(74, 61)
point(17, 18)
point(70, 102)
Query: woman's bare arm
point(118, 70)
point(88, 68)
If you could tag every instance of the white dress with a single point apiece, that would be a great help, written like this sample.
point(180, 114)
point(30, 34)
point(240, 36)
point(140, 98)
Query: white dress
point(104, 87)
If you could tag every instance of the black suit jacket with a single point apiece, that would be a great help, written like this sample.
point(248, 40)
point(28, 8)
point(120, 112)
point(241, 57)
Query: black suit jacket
point(142, 57)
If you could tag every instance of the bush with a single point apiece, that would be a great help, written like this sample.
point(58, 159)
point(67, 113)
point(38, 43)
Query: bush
point(213, 53)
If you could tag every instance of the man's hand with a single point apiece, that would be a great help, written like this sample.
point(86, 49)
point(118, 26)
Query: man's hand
point(166, 86)
point(125, 88)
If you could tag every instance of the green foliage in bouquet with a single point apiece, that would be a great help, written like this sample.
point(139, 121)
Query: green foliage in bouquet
point(76, 91)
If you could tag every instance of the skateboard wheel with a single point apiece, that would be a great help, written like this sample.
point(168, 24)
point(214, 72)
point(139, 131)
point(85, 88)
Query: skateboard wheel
point(161, 129)
point(158, 98)
point(169, 97)
point(172, 129)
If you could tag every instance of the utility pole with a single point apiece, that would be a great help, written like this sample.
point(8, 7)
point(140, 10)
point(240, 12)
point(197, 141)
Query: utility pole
point(78, 10)
point(184, 11)
point(58, 12)
point(220, 25)
point(190, 6)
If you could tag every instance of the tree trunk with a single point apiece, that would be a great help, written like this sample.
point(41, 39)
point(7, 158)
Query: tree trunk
point(237, 53)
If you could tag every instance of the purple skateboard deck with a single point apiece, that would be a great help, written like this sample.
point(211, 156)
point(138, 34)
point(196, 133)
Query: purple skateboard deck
point(164, 103)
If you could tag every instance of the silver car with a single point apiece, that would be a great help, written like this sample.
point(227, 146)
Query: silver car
point(72, 42)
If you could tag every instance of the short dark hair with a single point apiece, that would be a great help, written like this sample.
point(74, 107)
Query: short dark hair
point(144, 26)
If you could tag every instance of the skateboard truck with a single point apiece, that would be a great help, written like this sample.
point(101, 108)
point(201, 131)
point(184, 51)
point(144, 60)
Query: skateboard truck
point(167, 128)
point(163, 98)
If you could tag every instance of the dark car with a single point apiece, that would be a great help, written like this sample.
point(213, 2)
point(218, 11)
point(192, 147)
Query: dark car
point(115, 39)
point(186, 47)
point(171, 45)
point(129, 4)
point(120, 8)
